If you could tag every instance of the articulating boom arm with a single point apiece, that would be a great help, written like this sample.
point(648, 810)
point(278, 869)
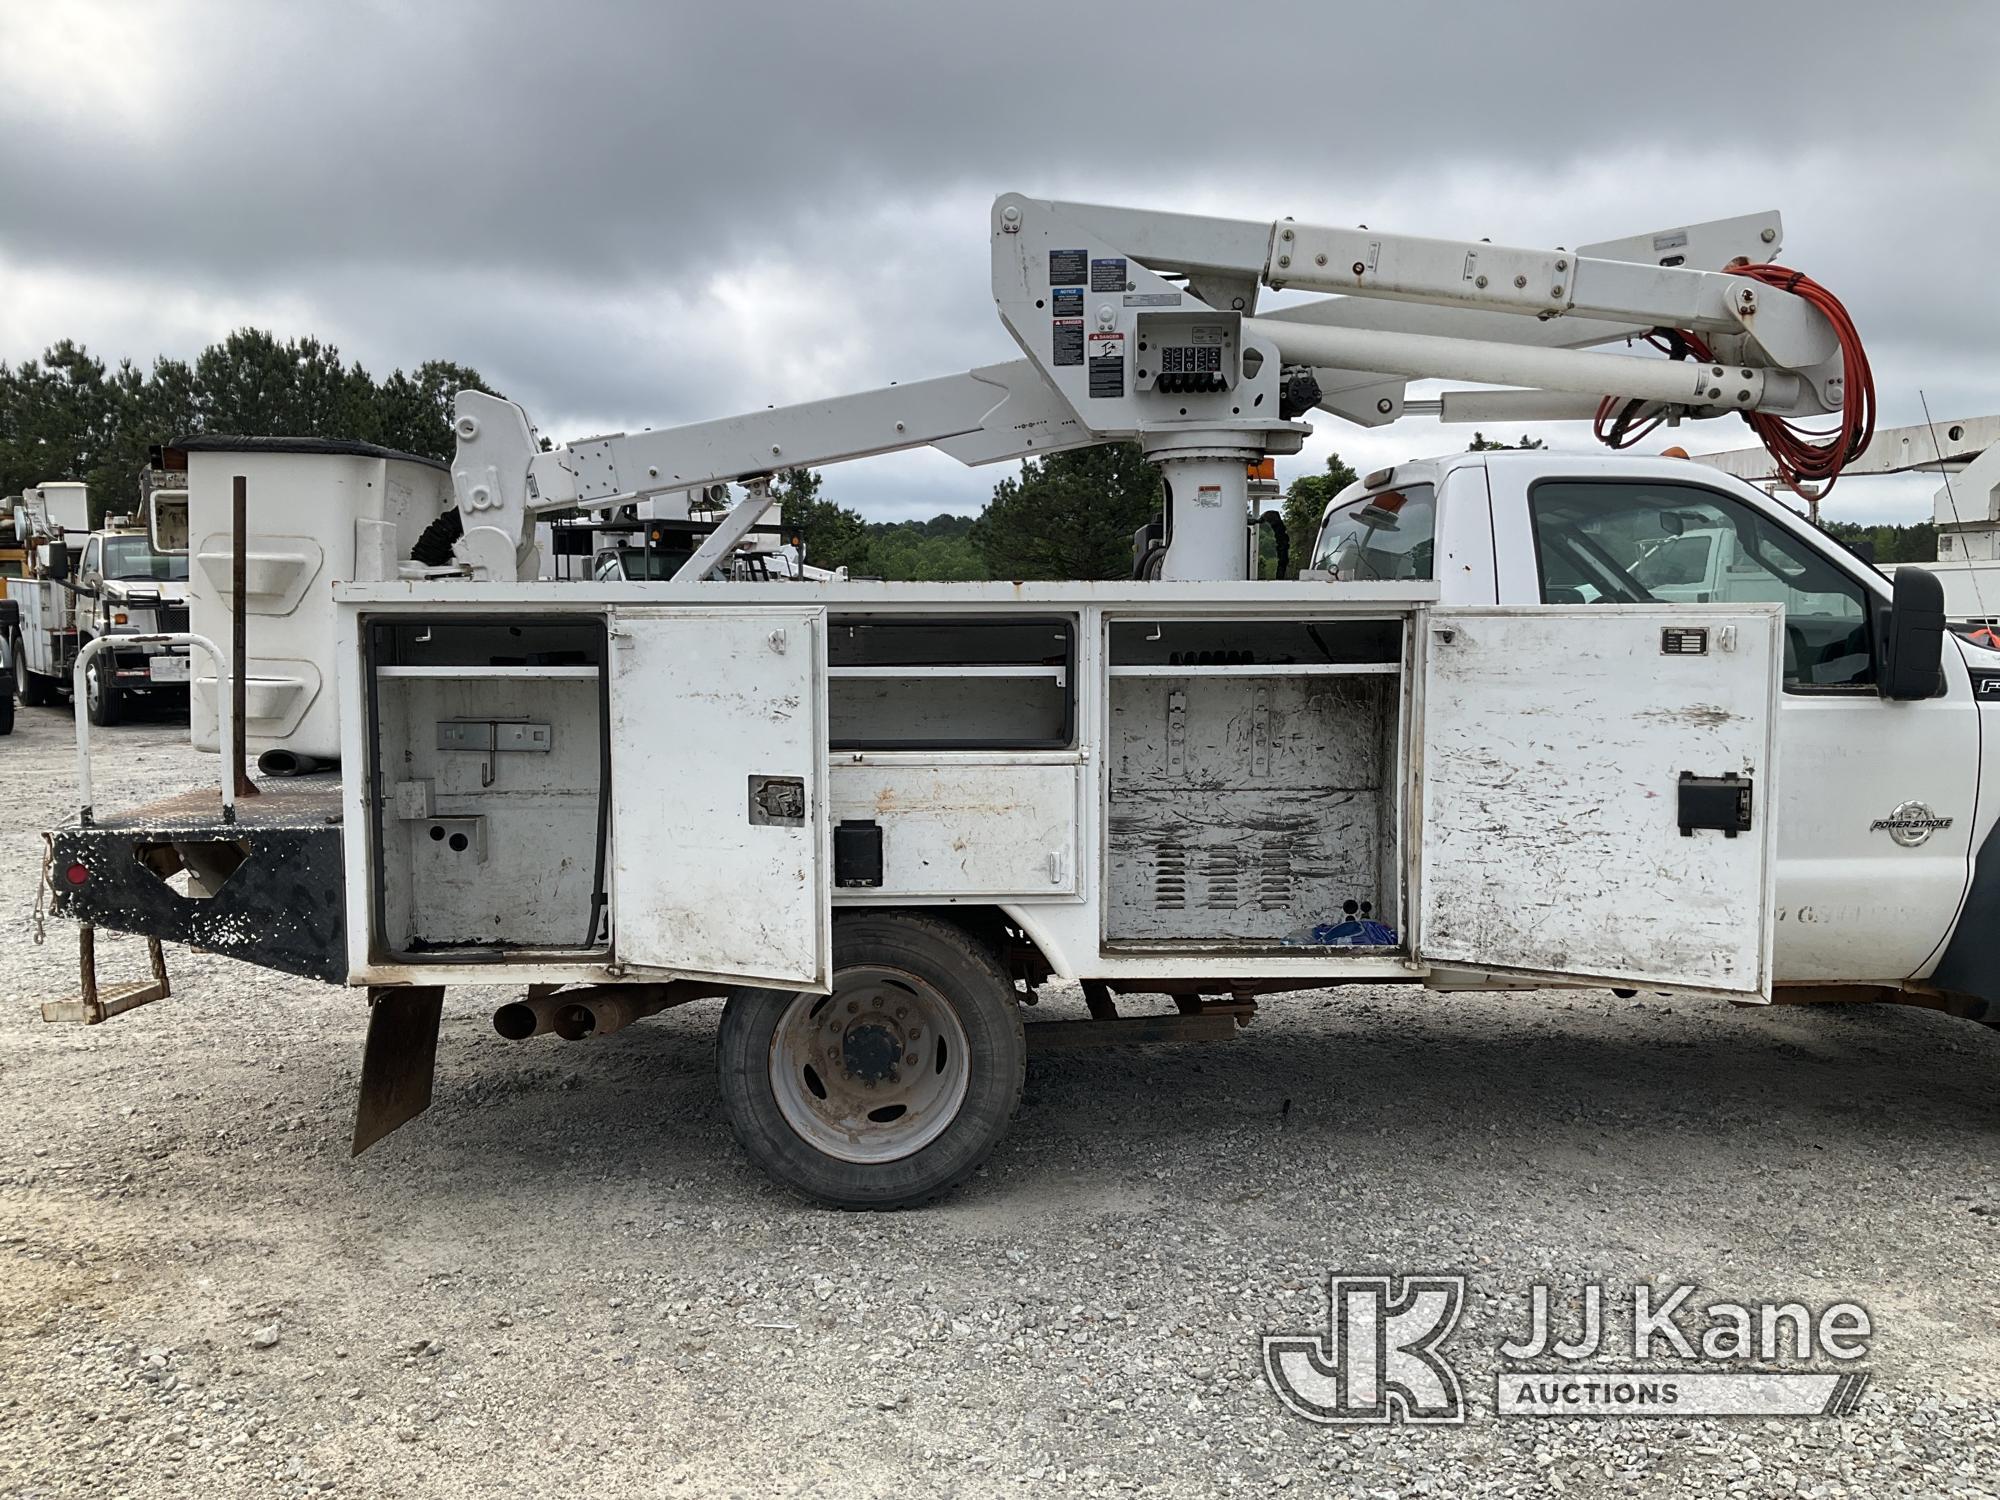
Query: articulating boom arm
point(1144, 326)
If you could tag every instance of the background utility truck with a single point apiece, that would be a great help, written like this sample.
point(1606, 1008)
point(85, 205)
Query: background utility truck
point(82, 584)
point(1470, 749)
point(1965, 455)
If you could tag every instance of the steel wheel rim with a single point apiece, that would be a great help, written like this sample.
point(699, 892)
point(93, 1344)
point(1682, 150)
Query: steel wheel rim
point(874, 1072)
point(93, 688)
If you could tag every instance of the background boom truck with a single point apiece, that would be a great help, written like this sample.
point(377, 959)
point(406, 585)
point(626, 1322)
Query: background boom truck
point(1470, 749)
point(82, 584)
point(1965, 455)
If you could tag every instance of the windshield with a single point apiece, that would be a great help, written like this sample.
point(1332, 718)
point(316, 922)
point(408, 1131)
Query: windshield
point(133, 558)
point(659, 563)
point(1387, 535)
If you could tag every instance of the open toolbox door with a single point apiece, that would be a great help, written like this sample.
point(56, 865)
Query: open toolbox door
point(1596, 794)
point(720, 855)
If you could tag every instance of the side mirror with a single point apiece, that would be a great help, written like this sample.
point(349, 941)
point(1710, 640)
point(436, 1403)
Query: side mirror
point(58, 563)
point(1912, 637)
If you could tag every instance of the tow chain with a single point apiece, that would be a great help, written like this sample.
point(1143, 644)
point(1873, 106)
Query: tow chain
point(42, 890)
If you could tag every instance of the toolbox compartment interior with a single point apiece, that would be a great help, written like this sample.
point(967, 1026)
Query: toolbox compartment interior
point(487, 780)
point(1251, 780)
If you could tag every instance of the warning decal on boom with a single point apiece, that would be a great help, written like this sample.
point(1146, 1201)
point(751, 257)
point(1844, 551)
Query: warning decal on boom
point(1107, 365)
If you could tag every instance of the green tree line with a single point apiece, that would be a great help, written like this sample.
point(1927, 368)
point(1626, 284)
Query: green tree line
point(68, 415)
point(1891, 544)
point(1068, 515)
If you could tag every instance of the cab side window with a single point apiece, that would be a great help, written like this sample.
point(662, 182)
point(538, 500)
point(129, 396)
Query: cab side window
point(1391, 534)
point(1636, 542)
point(88, 569)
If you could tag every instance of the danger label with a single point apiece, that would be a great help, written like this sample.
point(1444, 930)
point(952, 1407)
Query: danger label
point(1107, 364)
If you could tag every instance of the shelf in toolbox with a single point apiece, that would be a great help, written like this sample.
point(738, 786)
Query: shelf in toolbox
point(461, 673)
point(1268, 669)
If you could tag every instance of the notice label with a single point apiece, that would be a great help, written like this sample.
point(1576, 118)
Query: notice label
point(1107, 275)
point(1107, 365)
point(1068, 267)
point(1067, 343)
point(1066, 301)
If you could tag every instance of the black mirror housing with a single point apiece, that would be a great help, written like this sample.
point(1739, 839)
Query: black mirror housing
point(1912, 637)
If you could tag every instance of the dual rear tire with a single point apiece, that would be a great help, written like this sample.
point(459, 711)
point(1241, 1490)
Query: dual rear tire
point(104, 699)
point(31, 688)
point(891, 1090)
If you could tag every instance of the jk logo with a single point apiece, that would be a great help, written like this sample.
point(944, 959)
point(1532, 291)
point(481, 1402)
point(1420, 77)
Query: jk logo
point(1378, 1360)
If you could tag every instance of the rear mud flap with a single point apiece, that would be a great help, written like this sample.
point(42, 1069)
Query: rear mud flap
point(399, 1062)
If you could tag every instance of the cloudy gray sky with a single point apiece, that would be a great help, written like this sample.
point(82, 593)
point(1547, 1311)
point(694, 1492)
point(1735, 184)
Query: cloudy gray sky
point(637, 215)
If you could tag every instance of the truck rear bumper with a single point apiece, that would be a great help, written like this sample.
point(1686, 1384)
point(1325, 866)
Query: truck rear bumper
point(134, 668)
point(273, 879)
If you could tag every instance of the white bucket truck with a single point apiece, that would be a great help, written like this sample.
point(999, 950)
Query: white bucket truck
point(80, 585)
point(1472, 749)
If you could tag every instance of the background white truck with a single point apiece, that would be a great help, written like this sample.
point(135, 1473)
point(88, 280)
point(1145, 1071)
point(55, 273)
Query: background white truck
point(81, 584)
point(1964, 452)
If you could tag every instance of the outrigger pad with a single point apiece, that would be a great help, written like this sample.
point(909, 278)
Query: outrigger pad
point(399, 1061)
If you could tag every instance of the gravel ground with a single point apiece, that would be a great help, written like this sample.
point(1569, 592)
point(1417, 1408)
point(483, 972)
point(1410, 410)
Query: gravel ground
point(564, 1280)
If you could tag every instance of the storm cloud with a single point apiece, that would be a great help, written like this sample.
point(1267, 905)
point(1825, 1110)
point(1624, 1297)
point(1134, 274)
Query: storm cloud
point(639, 215)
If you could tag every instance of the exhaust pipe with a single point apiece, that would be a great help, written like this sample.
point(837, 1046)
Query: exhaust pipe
point(290, 763)
point(600, 1015)
point(600, 1009)
point(530, 1017)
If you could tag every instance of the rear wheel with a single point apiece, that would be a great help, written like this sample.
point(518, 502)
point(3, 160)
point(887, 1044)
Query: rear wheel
point(891, 1090)
point(7, 707)
point(31, 688)
point(102, 697)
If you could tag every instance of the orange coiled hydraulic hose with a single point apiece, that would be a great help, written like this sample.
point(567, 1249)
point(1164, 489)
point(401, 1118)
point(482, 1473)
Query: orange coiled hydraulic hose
point(1802, 457)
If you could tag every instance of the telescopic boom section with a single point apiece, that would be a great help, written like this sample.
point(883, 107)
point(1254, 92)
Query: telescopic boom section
point(1144, 327)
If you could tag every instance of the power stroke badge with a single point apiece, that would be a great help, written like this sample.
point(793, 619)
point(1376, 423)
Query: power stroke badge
point(1910, 824)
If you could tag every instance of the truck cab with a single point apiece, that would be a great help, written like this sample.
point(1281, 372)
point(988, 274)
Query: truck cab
point(1879, 816)
point(124, 587)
